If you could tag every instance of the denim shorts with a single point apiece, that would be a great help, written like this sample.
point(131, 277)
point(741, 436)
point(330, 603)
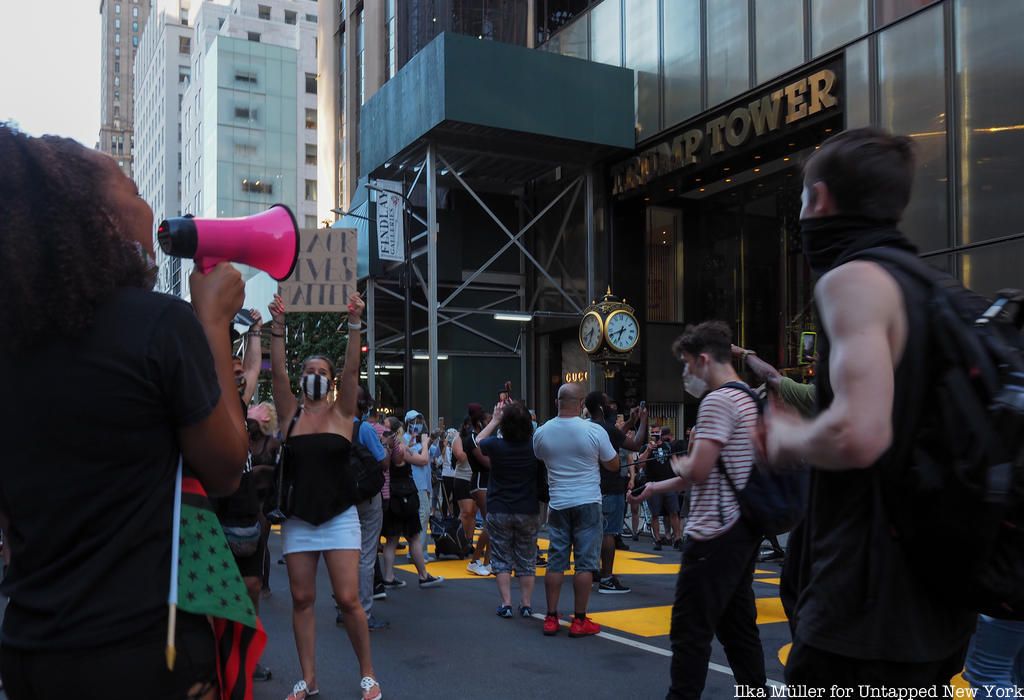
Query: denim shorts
point(614, 511)
point(513, 543)
point(664, 504)
point(580, 529)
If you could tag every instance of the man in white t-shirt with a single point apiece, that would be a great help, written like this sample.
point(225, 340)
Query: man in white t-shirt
point(714, 591)
point(571, 447)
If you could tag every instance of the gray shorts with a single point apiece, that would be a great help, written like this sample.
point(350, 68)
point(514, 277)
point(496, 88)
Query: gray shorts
point(579, 529)
point(664, 504)
point(513, 543)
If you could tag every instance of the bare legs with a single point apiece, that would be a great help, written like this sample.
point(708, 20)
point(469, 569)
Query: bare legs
point(526, 584)
point(302, 581)
point(343, 568)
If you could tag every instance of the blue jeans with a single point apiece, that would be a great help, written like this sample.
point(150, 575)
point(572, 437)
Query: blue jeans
point(579, 529)
point(996, 655)
point(614, 512)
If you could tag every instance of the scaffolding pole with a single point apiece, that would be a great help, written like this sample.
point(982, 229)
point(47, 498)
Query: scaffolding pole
point(432, 382)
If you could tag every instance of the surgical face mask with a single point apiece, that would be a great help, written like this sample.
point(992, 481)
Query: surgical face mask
point(315, 386)
point(694, 385)
point(415, 429)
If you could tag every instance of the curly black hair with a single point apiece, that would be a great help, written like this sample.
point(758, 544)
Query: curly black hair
point(59, 248)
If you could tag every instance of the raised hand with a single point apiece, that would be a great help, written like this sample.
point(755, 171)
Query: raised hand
point(356, 306)
point(218, 294)
point(277, 309)
point(257, 320)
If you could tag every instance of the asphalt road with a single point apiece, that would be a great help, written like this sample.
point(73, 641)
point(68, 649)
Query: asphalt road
point(447, 642)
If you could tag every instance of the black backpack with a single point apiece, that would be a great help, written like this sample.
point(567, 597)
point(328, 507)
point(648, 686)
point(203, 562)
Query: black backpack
point(773, 500)
point(367, 475)
point(961, 493)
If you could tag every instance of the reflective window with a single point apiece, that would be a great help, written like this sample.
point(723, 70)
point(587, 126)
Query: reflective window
point(911, 61)
point(858, 86)
point(887, 11)
point(642, 57)
point(835, 22)
point(991, 102)
point(728, 50)
point(681, 29)
point(779, 34)
point(606, 33)
point(988, 269)
point(574, 38)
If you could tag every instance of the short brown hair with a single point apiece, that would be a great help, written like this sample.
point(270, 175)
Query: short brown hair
point(712, 337)
point(869, 172)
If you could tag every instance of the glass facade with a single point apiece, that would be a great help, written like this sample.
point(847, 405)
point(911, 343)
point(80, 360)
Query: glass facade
point(681, 26)
point(606, 33)
point(728, 42)
point(779, 30)
point(642, 56)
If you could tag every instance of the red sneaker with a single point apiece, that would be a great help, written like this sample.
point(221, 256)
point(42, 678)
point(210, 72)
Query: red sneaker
point(551, 625)
point(583, 628)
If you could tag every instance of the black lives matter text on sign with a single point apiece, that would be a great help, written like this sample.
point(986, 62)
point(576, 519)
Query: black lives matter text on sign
point(325, 274)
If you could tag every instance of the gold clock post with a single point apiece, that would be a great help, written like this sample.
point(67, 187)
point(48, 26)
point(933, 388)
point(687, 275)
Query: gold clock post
point(609, 330)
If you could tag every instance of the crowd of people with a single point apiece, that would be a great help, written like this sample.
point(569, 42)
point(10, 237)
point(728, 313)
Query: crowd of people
point(85, 514)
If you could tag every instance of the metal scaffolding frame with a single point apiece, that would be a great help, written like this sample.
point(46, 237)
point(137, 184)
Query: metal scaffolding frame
point(428, 162)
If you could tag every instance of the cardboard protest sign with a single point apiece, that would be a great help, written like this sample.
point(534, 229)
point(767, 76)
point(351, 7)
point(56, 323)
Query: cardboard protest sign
point(325, 274)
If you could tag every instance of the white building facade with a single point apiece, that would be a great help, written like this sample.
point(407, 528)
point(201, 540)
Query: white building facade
point(162, 73)
point(248, 116)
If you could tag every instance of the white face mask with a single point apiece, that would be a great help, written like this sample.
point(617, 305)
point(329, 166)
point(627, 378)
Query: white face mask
point(694, 385)
point(315, 386)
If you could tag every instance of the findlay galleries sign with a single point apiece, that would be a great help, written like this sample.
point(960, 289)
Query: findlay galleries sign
point(732, 129)
point(325, 274)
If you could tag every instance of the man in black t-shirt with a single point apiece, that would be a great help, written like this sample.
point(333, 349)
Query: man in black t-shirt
point(664, 505)
point(613, 485)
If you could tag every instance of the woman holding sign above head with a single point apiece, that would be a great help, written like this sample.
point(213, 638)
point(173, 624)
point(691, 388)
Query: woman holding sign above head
point(318, 495)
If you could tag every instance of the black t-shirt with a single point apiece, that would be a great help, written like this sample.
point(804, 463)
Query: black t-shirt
point(87, 478)
point(612, 483)
point(658, 471)
point(512, 487)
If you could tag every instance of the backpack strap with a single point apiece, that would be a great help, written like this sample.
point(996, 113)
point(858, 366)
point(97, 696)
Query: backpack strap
point(720, 465)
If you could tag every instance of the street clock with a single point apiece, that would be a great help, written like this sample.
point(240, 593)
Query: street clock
point(609, 331)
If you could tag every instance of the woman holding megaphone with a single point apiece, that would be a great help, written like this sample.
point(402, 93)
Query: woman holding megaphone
point(322, 516)
point(113, 382)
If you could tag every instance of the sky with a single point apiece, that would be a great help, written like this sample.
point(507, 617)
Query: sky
point(50, 67)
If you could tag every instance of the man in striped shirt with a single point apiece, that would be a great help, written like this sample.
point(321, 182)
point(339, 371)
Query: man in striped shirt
point(714, 592)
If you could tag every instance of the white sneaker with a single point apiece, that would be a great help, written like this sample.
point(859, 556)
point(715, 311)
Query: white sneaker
point(477, 567)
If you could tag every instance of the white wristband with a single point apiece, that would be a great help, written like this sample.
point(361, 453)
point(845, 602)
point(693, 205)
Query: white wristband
point(355, 326)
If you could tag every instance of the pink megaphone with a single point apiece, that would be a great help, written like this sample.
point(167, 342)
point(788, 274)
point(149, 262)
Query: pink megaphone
point(268, 241)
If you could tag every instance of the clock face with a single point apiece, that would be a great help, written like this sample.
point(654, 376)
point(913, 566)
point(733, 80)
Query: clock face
point(622, 331)
point(590, 332)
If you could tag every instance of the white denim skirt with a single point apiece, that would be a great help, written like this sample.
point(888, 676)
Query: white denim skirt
point(340, 532)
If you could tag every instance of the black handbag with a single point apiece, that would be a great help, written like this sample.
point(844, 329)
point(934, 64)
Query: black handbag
point(283, 499)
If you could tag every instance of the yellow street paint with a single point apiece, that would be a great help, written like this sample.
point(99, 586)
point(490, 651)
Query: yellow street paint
point(784, 653)
point(772, 581)
point(656, 621)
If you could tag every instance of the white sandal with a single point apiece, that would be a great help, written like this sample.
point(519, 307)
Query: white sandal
point(367, 684)
point(301, 687)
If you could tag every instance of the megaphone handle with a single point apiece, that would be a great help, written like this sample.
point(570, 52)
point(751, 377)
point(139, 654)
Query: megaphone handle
point(206, 264)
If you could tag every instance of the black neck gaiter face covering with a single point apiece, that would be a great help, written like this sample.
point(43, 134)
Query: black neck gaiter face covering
point(829, 241)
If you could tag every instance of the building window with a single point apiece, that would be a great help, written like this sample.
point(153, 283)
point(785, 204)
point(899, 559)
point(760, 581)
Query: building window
point(184, 74)
point(605, 33)
point(220, 23)
point(117, 66)
point(248, 113)
point(117, 95)
point(117, 23)
point(117, 51)
point(117, 80)
point(117, 9)
point(290, 17)
point(390, 28)
point(727, 50)
point(360, 56)
point(253, 36)
point(779, 32)
point(835, 22)
point(245, 150)
point(243, 76)
point(117, 38)
point(135, 42)
point(310, 221)
point(310, 154)
point(264, 11)
point(311, 190)
point(184, 45)
point(311, 83)
point(183, 16)
point(310, 118)
point(311, 18)
point(642, 56)
point(257, 186)
point(135, 12)
point(135, 26)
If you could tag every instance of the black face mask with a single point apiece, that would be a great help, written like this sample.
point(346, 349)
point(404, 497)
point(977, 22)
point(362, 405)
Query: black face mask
point(828, 239)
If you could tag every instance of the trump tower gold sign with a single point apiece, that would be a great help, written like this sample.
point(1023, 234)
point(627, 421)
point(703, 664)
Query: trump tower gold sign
point(732, 128)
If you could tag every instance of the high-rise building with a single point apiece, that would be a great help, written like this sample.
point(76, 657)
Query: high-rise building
point(123, 24)
point(162, 70)
point(249, 116)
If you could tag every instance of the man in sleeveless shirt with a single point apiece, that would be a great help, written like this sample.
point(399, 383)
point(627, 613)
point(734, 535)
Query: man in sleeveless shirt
point(862, 616)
